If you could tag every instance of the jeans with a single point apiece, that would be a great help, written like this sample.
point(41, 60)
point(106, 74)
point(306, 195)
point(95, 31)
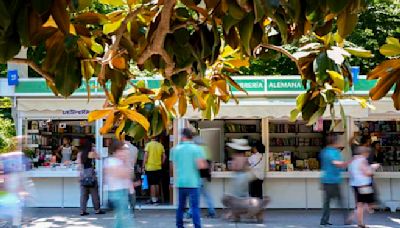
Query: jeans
point(194, 196)
point(331, 191)
point(209, 200)
point(123, 217)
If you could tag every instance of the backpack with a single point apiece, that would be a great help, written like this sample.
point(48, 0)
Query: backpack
point(88, 178)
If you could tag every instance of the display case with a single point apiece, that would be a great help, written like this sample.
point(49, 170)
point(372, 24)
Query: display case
point(295, 146)
point(387, 135)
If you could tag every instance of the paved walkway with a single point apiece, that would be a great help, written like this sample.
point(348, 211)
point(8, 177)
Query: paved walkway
point(50, 217)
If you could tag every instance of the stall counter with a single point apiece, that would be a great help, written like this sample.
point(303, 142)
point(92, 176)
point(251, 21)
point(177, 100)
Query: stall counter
point(54, 187)
point(281, 186)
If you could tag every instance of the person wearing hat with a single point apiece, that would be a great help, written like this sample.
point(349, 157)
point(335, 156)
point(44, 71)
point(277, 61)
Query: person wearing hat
point(188, 158)
point(240, 165)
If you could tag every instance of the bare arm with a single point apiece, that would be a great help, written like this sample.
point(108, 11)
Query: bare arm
point(78, 160)
point(164, 157)
point(171, 168)
point(201, 163)
point(145, 159)
point(342, 164)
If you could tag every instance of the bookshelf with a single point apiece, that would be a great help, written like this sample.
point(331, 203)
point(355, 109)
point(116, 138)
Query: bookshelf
point(295, 146)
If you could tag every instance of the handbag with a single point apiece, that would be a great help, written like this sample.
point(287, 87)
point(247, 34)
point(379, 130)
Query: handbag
point(88, 178)
point(145, 183)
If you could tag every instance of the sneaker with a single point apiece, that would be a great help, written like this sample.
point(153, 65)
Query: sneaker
point(84, 213)
point(325, 224)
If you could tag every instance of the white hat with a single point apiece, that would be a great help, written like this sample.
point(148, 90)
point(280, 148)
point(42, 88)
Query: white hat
point(239, 144)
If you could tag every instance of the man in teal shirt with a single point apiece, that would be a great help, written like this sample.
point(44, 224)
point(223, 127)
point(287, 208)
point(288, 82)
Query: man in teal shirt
point(332, 165)
point(187, 159)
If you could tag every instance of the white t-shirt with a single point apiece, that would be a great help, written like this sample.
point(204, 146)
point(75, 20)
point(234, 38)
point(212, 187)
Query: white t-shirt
point(115, 183)
point(257, 165)
point(133, 154)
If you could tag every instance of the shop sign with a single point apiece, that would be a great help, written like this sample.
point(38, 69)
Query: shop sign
point(256, 85)
point(355, 71)
point(75, 112)
point(284, 85)
point(12, 76)
point(251, 85)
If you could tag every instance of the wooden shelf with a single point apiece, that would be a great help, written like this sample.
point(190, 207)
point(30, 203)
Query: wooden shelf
point(66, 133)
point(242, 133)
point(33, 131)
point(282, 134)
point(31, 145)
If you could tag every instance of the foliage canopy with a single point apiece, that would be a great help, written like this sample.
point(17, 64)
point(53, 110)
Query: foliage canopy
point(193, 44)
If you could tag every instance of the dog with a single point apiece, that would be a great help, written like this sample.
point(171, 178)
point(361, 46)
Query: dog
point(250, 206)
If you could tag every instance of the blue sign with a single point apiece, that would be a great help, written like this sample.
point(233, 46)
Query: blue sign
point(12, 76)
point(355, 71)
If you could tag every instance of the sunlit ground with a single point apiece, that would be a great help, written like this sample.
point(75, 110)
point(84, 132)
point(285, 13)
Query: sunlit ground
point(54, 218)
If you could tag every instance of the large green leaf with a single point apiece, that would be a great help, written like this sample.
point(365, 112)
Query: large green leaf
point(338, 79)
point(258, 10)
point(359, 52)
point(41, 6)
point(180, 80)
point(228, 21)
point(235, 11)
point(156, 123)
point(294, 114)
point(136, 131)
point(67, 74)
point(118, 84)
point(246, 31)
point(9, 49)
point(346, 23)
point(314, 118)
point(336, 6)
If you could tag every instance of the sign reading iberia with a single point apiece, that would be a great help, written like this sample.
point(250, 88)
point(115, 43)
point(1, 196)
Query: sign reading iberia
point(251, 85)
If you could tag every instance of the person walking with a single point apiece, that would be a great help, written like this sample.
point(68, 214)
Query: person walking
point(332, 165)
point(188, 158)
point(205, 175)
point(257, 167)
point(88, 183)
point(118, 176)
point(133, 154)
point(361, 173)
point(154, 157)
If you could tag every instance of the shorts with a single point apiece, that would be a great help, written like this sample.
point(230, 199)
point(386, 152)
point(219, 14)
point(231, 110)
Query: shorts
point(365, 198)
point(153, 177)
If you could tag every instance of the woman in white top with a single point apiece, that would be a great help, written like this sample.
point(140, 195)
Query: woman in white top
point(118, 177)
point(66, 150)
point(257, 166)
point(361, 181)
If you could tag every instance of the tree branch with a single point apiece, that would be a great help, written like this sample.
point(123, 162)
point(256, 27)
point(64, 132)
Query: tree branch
point(281, 50)
point(115, 45)
point(34, 67)
point(156, 44)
